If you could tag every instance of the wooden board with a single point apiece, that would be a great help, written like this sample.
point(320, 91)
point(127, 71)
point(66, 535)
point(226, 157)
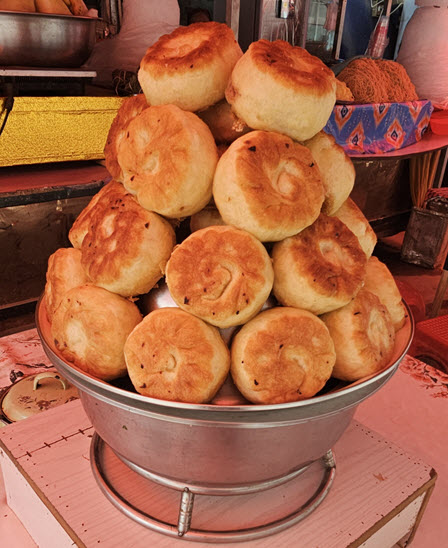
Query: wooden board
point(376, 499)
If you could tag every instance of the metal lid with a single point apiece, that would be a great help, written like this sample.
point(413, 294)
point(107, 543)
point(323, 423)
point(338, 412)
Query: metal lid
point(36, 393)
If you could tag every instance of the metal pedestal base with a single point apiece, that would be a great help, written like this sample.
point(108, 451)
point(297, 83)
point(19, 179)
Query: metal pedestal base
point(183, 529)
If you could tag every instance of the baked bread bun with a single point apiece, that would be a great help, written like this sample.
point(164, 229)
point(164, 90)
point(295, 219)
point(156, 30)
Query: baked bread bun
point(220, 274)
point(172, 355)
point(282, 355)
point(90, 327)
point(363, 336)
point(223, 123)
point(380, 281)
point(209, 216)
point(18, 5)
point(130, 108)
point(320, 269)
point(189, 67)
point(64, 272)
point(126, 247)
point(52, 6)
point(336, 169)
point(77, 7)
point(168, 159)
point(112, 194)
point(279, 87)
point(352, 216)
point(269, 185)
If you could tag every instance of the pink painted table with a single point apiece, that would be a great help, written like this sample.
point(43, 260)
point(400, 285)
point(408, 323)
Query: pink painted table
point(411, 410)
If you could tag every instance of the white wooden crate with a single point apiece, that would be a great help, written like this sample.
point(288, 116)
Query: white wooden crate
point(377, 499)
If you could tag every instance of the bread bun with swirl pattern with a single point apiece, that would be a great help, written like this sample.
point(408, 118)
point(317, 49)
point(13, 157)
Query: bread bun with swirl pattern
point(112, 194)
point(64, 272)
point(90, 327)
point(363, 336)
point(321, 268)
point(220, 274)
point(130, 108)
point(172, 355)
point(168, 158)
point(269, 185)
point(379, 280)
point(189, 67)
point(126, 247)
point(279, 87)
point(336, 169)
point(352, 216)
point(284, 354)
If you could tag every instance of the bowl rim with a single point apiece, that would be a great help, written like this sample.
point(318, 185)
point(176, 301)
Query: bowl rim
point(43, 329)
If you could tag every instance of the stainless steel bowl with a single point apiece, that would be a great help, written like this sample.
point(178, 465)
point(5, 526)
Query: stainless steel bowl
point(42, 40)
point(218, 445)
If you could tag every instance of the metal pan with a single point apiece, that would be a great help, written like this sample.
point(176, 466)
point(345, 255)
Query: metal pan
point(218, 446)
point(42, 40)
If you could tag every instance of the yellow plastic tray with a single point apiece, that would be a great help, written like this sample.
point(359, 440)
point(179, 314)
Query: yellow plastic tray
point(56, 129)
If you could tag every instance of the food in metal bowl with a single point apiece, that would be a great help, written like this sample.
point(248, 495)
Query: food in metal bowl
point(45, 40)
point(224, 438)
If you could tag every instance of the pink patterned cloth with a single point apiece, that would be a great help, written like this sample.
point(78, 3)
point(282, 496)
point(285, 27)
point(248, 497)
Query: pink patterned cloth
point(435, 382)
point(21, 354)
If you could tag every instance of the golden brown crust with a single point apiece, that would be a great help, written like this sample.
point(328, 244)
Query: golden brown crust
point(363, 336)
point(293, 66)
point(190, 67)
point(379, 281)
point(269, 185)
point(64, 272)
point(336, 169)
point(168, 158)
point(103, 200)
point(319, 269)
point(126, 247)
point(130, 108)
point(223, 123)
point(278, 87)
point(282, 355)
point(352, 216)
point(221, 274)
point(90, 327)
point(173, 355)
point(197, 44)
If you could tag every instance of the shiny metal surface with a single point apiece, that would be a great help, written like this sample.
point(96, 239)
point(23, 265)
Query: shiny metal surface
point(144, 515)
point(42, 40)
point(160, 297)
point(218, 444)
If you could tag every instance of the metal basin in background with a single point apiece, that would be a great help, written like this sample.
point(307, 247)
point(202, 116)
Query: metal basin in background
point(43, 40)
point(216, 445)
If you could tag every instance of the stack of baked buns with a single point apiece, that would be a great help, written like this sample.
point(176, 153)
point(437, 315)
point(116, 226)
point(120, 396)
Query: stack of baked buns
point(273, 281)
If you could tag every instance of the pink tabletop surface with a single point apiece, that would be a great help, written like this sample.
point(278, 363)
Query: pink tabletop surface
point(430, 142)
point(411, 410)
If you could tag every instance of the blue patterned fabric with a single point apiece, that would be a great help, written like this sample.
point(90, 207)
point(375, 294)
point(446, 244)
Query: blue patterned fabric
point(378, 128)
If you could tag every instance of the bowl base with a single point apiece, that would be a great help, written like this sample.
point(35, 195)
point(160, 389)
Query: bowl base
point(242, 514)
